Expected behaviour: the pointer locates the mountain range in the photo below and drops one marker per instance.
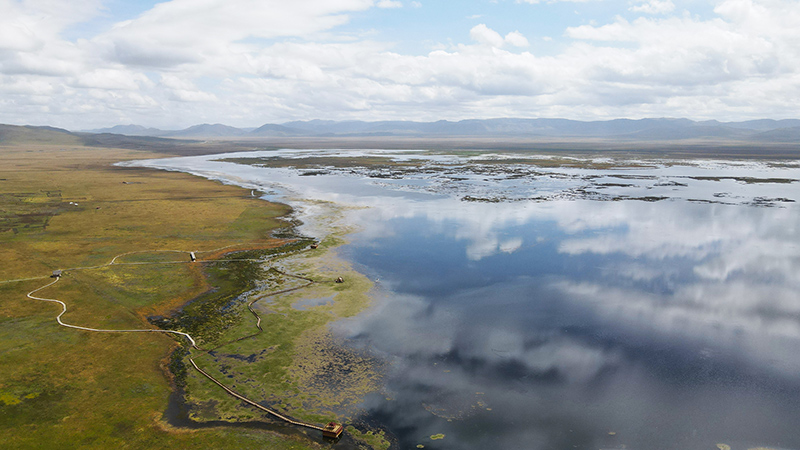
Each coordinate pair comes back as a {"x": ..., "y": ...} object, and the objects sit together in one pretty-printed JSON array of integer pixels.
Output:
[
  {"x": 504, "y": 133},
  {"x": 764, "y": 130}
]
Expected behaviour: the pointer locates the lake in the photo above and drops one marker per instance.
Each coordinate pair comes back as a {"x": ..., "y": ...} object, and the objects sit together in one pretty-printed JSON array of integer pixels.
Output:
[{"x": 593, "y": 303}]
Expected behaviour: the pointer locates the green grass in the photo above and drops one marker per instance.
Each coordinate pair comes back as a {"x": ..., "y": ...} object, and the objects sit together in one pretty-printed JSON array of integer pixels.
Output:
[
  {"x": 376, "y": 440},
  {"x": 294, "y": 363},
  {"x": 63, "y": 388}
]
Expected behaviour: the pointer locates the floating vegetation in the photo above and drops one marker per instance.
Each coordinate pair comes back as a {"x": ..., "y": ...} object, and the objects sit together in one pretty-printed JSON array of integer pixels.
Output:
[
  {"x": 436, "y": 437},
  {"x": 768, "y": 202},
  {"x": 649, "y": 198},
  {"x": 710, "y": 202},
  {"x": 632, "y": 177},
  {"x": 311, "y": 162},
  {"x": 670, "y": 184},
  {"x": 747, "y": 180},
  {"x": 375, "y": 440},
  {"x": 469, "y": 198},
  {"x": 514, "y": 177},
  {"x": 612, "y": 185}
]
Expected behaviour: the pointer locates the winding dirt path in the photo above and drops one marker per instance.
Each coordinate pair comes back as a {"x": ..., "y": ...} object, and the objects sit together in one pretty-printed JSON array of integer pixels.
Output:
[
  {"x": 175, "y": 332},
  {"x": 97, "y": 330}
]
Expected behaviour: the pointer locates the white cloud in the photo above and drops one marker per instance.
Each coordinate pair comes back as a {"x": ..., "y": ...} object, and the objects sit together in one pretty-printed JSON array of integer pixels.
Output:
[
  {"x": 484, "y": 35},
  {"x": 535, "y": 2},
  {"x": 16, "y": 36},
  {"x": 653, "y": 6},
  {"x": 389, "y": 4},
  {"x": 184, "y": 90},
  {"x": 741, "y": 62},
  {"x": 112, "y": 79},
  {"x": 185, "y": 31},
  {"x": 516, "y": 39}
]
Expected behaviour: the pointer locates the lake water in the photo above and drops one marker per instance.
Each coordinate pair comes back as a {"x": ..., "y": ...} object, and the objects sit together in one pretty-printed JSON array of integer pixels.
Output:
[{"x": 655, "y": 307}]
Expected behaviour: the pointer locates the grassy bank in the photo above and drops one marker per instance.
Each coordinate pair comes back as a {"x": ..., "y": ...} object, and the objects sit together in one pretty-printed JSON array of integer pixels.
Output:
[{"x": 63, "y": 207}]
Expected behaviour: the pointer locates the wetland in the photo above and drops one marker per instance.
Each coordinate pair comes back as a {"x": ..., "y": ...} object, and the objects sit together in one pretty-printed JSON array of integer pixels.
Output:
[{"x": 539, "y": 301}]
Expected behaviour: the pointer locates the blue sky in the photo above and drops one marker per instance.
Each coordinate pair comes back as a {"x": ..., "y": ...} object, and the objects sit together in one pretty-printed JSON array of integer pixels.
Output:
[{"x": 177, "y": 63}]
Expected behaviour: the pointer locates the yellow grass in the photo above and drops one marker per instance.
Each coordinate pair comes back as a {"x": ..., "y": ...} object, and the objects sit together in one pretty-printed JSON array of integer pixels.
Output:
[{"x": 63, "y": 388}]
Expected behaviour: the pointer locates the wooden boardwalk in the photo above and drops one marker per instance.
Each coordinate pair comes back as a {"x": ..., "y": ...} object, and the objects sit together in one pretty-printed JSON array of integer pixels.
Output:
[{"x": 252, "y": 403}]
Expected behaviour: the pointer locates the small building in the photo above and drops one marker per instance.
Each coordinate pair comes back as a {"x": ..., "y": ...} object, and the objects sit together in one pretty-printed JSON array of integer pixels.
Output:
[
  {"x": 332, "y": 430},
  {"x": 191, "y": 255},
  {"x": 56, "y": 274}
]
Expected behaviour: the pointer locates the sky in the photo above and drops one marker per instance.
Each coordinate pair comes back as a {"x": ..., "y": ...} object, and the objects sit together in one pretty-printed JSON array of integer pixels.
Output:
[{"x": 173, "y": 64}]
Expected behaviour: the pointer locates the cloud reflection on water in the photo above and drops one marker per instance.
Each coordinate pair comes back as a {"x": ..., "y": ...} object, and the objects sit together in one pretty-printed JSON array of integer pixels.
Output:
[
  {"x": 708, "y": 289},
  {"x": 744, "y": 260},
  {"x": 673, "y": 323}
]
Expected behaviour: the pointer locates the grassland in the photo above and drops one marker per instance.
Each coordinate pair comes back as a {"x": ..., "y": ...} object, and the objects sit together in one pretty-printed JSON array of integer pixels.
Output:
[{"x": 66, "y": 206}]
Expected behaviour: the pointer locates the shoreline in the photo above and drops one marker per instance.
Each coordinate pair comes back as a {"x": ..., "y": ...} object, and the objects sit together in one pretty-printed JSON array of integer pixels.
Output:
[
  {"x": 323, "y": 259},
  {"x": 71, "y": 207}
]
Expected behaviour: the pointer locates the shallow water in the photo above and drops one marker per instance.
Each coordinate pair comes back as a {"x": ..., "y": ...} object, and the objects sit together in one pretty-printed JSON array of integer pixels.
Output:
[{"x": 568, "y": 312}]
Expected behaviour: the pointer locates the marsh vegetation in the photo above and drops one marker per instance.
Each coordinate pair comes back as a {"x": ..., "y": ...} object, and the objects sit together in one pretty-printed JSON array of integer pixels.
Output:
[{"x": 69, "y": 207}]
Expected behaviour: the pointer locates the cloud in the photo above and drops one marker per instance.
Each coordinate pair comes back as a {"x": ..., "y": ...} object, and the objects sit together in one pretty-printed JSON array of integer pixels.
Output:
[
  {"x": 653, "y": 6},
  {"x": 16, "y": 36},
  {"x": 264, "y": 59},
  {"x": 516, "y": 39},
  {"x": 112, "y": 79},
  {"x": 482, "y": 34},
  {"x": 184, "y": 90},
  {"x": 187, "y": 31},
  {"x": 389, "y": 4},
  {"x": 536, "y": 2}
]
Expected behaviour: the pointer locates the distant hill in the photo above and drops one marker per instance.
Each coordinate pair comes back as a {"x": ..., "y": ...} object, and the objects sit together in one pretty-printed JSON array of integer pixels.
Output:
[
  {"x": 206, "y": 130},
  {"x": 130, "y": 130},
  {"x": 674, "y": 137},
  {"x": 785, "y": 135},
  {"x": 26, "y": 135},
  {"x": 656, "y": 129},
  {"x": 133, "y": 142},
  {"x": 671, "y": 133},
  {"x": 625, "y": 129},
  {"x": 15, "y": 135},
  {"x": 277, "y": 130},
  {"x": 764, "y": 124}
]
